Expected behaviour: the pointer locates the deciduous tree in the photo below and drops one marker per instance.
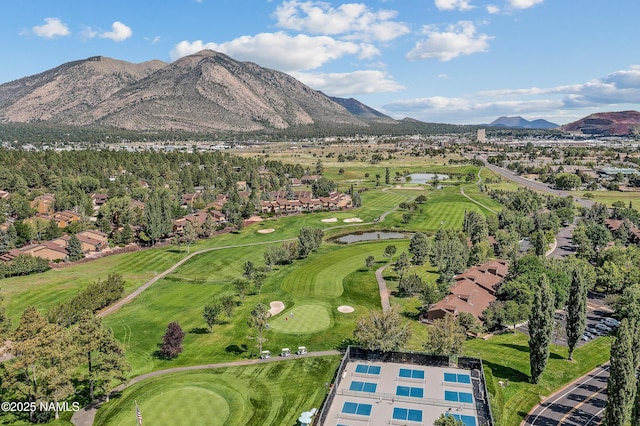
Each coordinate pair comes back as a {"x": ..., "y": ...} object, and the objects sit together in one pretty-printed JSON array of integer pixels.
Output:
[
  {"x": 540, "y": 328},
  {"x": 576, "y": 310},
  {"x": 259, "y": 321},
  {"x": 445, "y": 337},
  {"x": 382, "y": 330},
  {"x": 171, "y": 345},
  {"x": 210, "y": 313},
  {"x": 622, "y": 380}
]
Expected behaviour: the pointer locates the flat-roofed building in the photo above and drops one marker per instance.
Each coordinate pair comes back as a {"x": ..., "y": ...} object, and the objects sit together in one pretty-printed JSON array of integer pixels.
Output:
[{"x": 394, "y": 388}]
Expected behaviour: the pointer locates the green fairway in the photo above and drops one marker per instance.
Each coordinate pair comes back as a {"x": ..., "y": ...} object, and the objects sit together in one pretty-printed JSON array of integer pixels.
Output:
[
  {"x": 302, "y": 319},
  {"x": 321, "y": 282},
  {"x": 273, "y": 393}
]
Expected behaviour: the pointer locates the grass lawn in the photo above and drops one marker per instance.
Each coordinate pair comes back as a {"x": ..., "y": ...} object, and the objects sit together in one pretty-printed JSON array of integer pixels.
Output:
[
  {"x": 305, "y": 319},
  {"x": 610, "y": 197},
  {"x": 335, "y": 275},
  {"x": 273, "y": 393},
  {"x": 506, "y": 357}
]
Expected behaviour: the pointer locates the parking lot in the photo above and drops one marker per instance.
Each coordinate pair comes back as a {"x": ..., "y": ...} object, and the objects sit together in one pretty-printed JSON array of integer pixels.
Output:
[{"x": 595, "y": 316}]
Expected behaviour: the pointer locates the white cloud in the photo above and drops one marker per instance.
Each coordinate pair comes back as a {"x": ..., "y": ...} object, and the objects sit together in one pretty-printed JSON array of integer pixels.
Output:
[
  {"x": 524, "y": 4},
  {"x": 493, "y": 9},
  {"x": 442, "y": 76},
  {"x": 279, "y": 50},
  {"x": 350, "y": 84},
  {"x": 353, "y": 21},
  {"x": 453, "y": 5},
  {"x": 88, "y": 32},
  {"x": 119, "y": 32},
  {"x": 459, "y": 39},
  {"x": 53, "y": 27},
  {"x": 560, "y": 104}
]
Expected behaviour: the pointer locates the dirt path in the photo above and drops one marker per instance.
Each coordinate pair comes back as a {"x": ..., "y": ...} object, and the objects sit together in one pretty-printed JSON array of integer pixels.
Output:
[{"x": 86, "y": 416}]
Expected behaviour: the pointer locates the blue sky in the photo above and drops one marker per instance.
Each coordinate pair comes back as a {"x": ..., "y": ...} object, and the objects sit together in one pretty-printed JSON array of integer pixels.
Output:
[{"x": 453, "y": 61}]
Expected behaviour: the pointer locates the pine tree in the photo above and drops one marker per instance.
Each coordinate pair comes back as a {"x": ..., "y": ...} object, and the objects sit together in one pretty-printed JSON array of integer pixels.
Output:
[
  {"x": 419, "y": 248},
  {"x": 387, "y": 176},
  {"x": 102, "y": 353},
  {"x": 576, "y": 310},
  {"x": 74, "y": 248},
  {"x": 540, "y": 328},
  {"x": 621, "y": 384}
]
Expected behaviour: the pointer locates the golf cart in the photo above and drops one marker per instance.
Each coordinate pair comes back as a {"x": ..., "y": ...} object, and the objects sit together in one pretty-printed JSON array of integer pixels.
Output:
[
  {"x": 285, "y": 352},
  {"x": 265, "y": 354},
  {"x": 301, "y": 350}
]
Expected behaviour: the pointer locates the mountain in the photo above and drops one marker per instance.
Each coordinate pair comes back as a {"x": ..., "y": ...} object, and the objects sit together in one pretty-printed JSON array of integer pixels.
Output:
[
  {"x": 521, "y": 123},
  {"x": 207, "y": 91},
  {"x": 361, "y": 110},
  {"x": 606, "y": 123},
  {"x": 60, "y": 94}
]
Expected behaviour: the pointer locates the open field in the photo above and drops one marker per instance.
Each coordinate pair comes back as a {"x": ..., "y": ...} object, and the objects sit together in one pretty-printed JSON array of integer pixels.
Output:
[
  {"x": 610, "y": 197},
  {"x": 274, "y": 393},
  {"x": 506, "y": 357}
]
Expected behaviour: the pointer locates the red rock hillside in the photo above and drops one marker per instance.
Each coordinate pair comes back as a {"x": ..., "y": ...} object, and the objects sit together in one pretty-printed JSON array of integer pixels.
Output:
[{"x": 607, "y": 123}]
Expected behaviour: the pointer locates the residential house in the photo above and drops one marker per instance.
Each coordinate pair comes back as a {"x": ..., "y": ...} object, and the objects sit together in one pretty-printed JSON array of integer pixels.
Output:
[
  {"x": 309, "y": 179},
  {"x": 44, "y": 204},
  {"x": 98, "y": 200},
  {"x": 472, "y": 291},
  {"x": 66, "y": 218}
]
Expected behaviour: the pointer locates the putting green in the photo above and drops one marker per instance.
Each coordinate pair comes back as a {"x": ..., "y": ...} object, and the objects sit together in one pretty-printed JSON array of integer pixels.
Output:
[
  {"x": 305, "y": 319},
  {"x": 188, "y": 405}
]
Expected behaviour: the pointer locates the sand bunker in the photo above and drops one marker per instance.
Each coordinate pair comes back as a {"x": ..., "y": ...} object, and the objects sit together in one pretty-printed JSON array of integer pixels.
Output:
[
  {"x": 276, "y": 308},
  {"x": 352, "y": 219},
  {"x": 331, "y": 220},
  {"x": 266, "y": 231},
  {"x": 345, "y": 309}
]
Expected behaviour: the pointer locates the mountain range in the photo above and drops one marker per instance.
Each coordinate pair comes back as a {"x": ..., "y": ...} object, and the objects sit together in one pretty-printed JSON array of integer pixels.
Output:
[
  {"x": 207, "y": 91},
  {"x": 521, "y": 123}
]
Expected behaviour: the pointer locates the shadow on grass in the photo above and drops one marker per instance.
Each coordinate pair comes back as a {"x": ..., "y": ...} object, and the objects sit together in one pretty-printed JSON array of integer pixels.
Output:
[
  {"x": 521, "y": 348},
  {"x": 236, "y": 350},
  {"x": 199, "y": 330},
  {"x": 503, "y": 372},
  {"x": 413, "y": 316}
]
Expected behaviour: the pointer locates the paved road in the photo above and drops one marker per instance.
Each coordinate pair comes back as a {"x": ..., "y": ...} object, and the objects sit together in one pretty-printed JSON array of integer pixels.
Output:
[
  {"x": 581, "y": 403},
  {"x": 539, "y": 186},
  {"x": 564, "y": 243}
]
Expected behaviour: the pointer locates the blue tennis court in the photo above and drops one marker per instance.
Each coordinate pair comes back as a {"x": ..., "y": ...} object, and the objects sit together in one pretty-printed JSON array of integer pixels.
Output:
[
  {"x": 467, "y": 420},
  {"x": 458, "y": 396},
  {"x": 407, "y": 414},
  {"x": 411, "y": 374},
  {"x": 409, "y": 391},
  {"x": 368, "y": 369},
  {"x": 355, "y": 408},
  {"x": 363, "y": 387},
  {"x": 457, "y": 378}
]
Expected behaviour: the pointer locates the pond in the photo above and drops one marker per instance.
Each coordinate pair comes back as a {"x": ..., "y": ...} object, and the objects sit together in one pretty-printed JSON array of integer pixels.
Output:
[
  {"x": 370, "y": 236},
  {"x": 426, "y": 177}
]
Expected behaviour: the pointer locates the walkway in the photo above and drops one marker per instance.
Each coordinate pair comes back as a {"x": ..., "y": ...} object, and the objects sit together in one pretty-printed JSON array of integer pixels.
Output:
[
  {"x": 474, "y": 201},
  {"x": 382, "y": 285},
  {"x": 86, "y": 416}
]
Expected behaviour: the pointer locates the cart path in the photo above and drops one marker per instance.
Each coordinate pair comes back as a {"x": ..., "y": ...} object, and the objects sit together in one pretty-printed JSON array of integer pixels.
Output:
[
  {"x": 382, "y": 285},
  {"x": 86, "y": 415},
  {"x": 474, "y": 201}
]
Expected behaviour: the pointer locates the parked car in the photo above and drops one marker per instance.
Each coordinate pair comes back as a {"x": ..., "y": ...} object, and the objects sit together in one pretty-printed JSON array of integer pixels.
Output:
[
  {"x": 611, "y": 322},
  {"x": 586, "y": 338},
  {"x": 603, "y": 327},
  {"x": 590, "y": 335}
]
